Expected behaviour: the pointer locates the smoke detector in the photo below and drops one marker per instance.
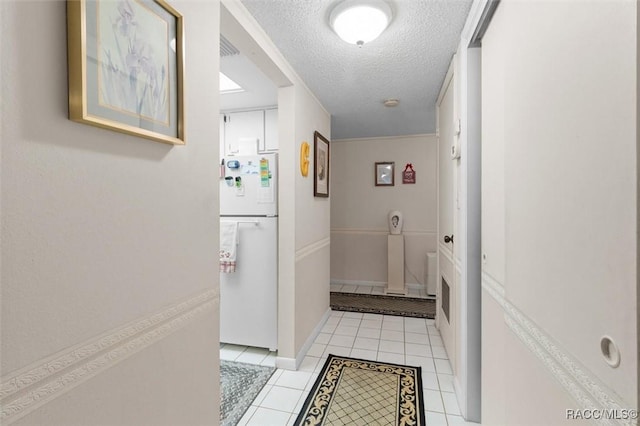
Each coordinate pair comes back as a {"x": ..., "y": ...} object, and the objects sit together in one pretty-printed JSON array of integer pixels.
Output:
[{"x": 391, "y": 103}]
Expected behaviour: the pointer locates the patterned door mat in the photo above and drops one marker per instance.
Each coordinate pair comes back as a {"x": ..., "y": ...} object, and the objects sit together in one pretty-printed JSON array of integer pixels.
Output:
[
  {"x": 356, "y": 392},
  {"x": 387, "y": 305},
  {"x": 240, "y": 383}
]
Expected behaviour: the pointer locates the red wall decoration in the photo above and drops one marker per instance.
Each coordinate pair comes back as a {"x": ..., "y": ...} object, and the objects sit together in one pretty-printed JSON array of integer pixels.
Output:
[{"x": 409, "y": 175}]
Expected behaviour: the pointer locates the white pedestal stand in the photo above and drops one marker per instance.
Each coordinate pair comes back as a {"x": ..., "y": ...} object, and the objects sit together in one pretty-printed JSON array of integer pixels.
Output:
[{"x": 395, "y": 262}]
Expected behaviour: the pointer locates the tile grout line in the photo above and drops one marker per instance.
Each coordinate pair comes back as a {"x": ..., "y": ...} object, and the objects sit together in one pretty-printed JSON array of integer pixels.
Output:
[{"x": 314, "y": 373}]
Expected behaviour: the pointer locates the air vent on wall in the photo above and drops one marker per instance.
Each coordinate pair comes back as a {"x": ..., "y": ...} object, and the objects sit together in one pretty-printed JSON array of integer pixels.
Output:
[
  {"x": 445, "y": 298},
  {"x": 226, "y": 48}
]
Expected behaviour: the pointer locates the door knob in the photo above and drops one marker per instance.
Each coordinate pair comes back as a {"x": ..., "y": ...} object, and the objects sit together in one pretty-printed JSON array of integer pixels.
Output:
[{"x": 448, "y": 239}]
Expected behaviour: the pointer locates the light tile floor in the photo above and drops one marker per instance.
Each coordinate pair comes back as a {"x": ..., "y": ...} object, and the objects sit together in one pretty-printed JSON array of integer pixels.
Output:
[
  {"x": 375, "y": 289},
  {"x": 411, "y": 341}
]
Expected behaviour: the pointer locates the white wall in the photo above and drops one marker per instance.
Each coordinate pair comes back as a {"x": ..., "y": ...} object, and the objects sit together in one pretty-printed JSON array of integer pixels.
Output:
[
  {"x": 312, "y": 222},
  {"x": 359, "y": 209},
  {"x": 100, "y": 231},
  {"x": 560, "y": 166}
]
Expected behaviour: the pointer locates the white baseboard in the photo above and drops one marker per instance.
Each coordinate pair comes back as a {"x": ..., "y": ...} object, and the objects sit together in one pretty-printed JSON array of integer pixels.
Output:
[
  {"x": 460, "y": 396},
  {"x": 358, "y": 282},
  {"x": 286, "y": 363},
  {"x": 294, "y": 363},
  {"x": 414, "y": 286},
  {"x": 372, "y": 283}
]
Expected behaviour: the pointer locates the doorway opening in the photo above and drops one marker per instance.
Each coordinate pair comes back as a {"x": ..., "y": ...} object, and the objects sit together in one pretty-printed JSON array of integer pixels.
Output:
[{"x": 249, "y": 216}]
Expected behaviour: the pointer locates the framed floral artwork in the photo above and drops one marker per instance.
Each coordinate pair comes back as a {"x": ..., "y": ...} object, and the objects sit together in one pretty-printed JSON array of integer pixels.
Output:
[
  {"x": 321, "y": 165},
  {"x": 126, "y": 67}
]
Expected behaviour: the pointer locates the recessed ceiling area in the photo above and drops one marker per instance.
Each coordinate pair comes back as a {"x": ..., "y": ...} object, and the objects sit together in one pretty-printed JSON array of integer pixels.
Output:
[
  {"x": 408, "y": 61},
  {"x": 259, "y": 91}
]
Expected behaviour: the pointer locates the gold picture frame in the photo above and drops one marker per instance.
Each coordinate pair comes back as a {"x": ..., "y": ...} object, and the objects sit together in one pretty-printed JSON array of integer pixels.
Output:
[
  {"x": 385, "y": 173},
  {"x": 320, "y": 165},
  {"x": 126, "y": 67}
]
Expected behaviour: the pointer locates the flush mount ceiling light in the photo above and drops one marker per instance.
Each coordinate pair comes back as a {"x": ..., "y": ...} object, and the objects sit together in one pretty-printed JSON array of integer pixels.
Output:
[{"x": 360, "y": 21}]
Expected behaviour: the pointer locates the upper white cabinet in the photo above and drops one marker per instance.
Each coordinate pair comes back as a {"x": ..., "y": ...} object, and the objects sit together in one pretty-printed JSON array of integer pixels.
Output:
[
  {"x": 243, "y": 132},
  {"x": 250, "y": 132},
  {"x": 270, "y": 130}
]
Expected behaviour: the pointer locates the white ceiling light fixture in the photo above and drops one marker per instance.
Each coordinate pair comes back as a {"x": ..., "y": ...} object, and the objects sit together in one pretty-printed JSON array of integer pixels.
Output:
[{"x": 360, "y": 21}]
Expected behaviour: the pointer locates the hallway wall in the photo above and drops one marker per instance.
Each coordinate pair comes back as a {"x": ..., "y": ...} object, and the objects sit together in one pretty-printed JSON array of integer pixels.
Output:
[
  {"x": 359, "y": 209},
  {"x": 559, "y": 209},
  {"x": 313, "y": 214},
  {"x": 109, "y": 242}
]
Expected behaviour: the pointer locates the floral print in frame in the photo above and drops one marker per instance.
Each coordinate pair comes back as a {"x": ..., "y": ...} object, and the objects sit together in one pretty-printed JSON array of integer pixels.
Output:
[{"x": 126, "y": 67}]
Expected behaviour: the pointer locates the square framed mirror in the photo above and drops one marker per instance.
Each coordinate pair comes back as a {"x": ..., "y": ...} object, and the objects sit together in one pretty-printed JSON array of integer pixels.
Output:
[{"x": 385, "y": 173}]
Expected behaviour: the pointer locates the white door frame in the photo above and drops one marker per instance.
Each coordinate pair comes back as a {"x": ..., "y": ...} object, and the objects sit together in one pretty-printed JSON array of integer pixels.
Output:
[
  {"x": 467, "y": 76},
  {"x": 239, "y": 28},
  {"x": 446, "y": 253}
]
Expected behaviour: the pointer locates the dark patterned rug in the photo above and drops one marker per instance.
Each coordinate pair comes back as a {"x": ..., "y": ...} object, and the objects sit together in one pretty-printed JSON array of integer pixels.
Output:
[
  {"x": 352, "y": 391},
  {"x": 387, "y": 305},
  {"x": 240, "y": 383}
]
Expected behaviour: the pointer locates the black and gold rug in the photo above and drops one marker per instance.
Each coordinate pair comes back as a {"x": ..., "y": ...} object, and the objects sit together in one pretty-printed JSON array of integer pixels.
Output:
[
  {"x": 381, "y": 304},
  {"x": 352, "y": 391}
]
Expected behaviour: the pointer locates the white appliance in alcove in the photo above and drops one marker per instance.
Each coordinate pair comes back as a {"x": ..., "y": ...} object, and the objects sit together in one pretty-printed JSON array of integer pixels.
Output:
[{"x": 249, "y": 296}]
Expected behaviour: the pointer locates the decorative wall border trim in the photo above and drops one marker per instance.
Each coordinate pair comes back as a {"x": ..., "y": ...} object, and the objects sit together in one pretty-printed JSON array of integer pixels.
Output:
[
  {"x": 493, "y": 287},
  {"x": 312, "y": 248},
  {"x": 33, "y": 386},
  {"x": 377, "y": 231},
  {"x": 586, "y": 389},
  {"x": 446, "y": 251}
]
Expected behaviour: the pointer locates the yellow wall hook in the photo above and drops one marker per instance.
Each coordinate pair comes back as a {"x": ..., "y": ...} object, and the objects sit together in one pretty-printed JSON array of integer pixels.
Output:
[{"x": 304, "y": 159}]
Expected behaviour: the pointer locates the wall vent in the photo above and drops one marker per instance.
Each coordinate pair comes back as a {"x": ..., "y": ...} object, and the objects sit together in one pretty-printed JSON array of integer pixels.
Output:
[
  {"x": 226, "y": 48},
  {"x": 445, "y": 299}
]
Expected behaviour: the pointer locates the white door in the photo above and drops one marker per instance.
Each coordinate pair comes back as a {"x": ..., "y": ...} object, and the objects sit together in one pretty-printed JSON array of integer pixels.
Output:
[
  {"x": 458, "y": 279},
  {"x": 447, "y": 271}
]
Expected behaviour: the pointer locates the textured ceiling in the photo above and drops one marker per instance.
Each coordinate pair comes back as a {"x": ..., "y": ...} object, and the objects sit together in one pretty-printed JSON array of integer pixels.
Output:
[{"x": 408, "y": 62}]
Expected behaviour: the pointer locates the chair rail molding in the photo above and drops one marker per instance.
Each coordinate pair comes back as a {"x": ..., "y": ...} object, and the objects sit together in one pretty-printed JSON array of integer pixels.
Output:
[
  {"x": 378, "y": 231},
  {"x": 312, "y": 248},
  {"x": 39, "y": 383},
  {"x": 587, "y": 390},
  {"x": 493, "y": 287}
]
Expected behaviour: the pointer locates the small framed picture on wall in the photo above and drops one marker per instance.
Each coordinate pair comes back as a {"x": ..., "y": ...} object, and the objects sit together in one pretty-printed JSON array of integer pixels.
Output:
[
  {"x": 384, "y": 173},
  {"x": 321, "y": 165}
]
